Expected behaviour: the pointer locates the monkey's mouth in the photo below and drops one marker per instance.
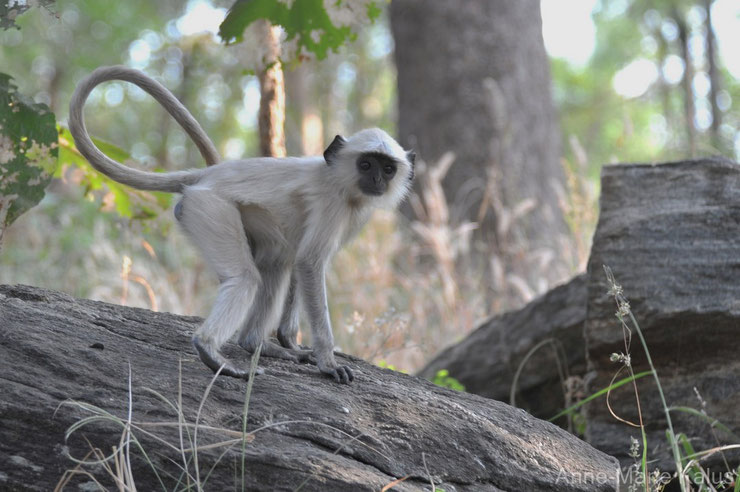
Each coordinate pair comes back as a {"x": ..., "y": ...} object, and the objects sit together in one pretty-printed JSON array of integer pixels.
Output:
[{"x": 372, "y": 190}]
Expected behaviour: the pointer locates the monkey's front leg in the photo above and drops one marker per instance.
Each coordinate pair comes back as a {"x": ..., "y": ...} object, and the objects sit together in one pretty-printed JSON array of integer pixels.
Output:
[{"x": 311, "y": 282}]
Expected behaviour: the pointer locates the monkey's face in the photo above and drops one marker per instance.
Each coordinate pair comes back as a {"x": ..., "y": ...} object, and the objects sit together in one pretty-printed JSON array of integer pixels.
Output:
[
  {"x": 370, "y": 167},
  {"x": 375, "y": 171}
]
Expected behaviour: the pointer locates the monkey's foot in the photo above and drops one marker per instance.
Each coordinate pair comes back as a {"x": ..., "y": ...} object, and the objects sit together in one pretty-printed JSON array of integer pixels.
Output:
[
  {"x": 341, "y": 374},
  {"x": 271, "y": 349},
  {"x": 214, "y": 360},
  {"x": 288, "y": 341}
]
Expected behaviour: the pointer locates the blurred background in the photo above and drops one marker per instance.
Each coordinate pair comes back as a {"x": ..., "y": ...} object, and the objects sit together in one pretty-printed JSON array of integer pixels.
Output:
[{"x": 513, "y": 108}]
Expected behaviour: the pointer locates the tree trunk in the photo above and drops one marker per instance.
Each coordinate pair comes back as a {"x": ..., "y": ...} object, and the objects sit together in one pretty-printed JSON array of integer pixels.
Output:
[
  {"x": 272, "y": 101},
  {"x": 713, "y": 75},
  {"x": 688, "y": 78},
  {"x": 474, "y": 79}
]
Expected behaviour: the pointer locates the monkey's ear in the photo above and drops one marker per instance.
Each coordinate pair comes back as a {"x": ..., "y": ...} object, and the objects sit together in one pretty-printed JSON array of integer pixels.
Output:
[
  {"x": 411, "y": 157},
  {"x": 333, "y": 149}
]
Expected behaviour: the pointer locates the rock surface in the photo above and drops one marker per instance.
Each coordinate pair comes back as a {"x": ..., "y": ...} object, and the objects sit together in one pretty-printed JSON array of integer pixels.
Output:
[
  {"x": 384, "y": 426},
  {"x": 671, "y": 235},
  {"x": 486, "y": 361}
]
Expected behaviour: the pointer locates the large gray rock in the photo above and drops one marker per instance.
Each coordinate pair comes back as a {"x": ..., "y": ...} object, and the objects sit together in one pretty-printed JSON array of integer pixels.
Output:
[
  {"x": 54, "y": 348},
  {"x": 486, "y": 361},
  {"x": 671, "y": 235}
]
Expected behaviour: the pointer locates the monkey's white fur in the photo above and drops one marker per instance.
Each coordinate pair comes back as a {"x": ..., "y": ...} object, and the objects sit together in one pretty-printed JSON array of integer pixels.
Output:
[{"x": 267, "y": 226}]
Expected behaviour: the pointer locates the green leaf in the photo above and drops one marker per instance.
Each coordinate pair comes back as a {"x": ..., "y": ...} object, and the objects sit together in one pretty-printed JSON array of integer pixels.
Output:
[
  {"x": 714, "y": 423},
  {"x": 695, "y": 473},
  {"x": 373, "y": 11},
  {"x": 28, "y": 151},
  {"x": 305, "y": 21},
  {"x": 599, "y": 393},
  {"x": 127, "y": 202},
  {"x": 443, "y": 378},
  {"x": 384, "y": 364}
]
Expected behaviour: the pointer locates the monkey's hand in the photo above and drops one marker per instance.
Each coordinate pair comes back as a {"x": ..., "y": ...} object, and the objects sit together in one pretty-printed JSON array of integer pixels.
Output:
[{"x": 327, "y": 365}]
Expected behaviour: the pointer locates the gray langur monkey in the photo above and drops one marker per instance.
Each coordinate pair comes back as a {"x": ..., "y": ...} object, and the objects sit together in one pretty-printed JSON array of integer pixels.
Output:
[{"x": 268, "y": 227}]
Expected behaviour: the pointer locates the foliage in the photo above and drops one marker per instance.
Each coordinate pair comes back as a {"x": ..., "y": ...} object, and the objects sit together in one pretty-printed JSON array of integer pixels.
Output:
[
  {"x": 9, "y": 11},
  {"x": 52, "y": 50},
  {"x": 128, "y": 202},
  {"x": 443, "y": 378},
  {"x": 385, "y": 365},
  {"x": 694, "y": 471},
  {"x": 654, "y": 125},
  {"x": 28, "y": 151},
  {"x": 307, "y": 23}
]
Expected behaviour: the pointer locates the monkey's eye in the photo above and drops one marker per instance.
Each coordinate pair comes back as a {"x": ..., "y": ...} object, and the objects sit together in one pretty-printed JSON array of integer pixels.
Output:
[
  {"x": 388, "y": 169},
  {"x": 364, "y": 166}
]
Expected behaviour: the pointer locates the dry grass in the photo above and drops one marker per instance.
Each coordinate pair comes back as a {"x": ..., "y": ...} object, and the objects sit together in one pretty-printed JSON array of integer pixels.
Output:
[{"x": 176, "y": 441}]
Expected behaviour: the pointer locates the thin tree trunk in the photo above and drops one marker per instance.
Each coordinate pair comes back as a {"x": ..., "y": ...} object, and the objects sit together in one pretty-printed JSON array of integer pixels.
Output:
[
  {"x": 688, "y": 78},
  {"x": 295, "y": 92},
  {"x": 54, "y": 86},
  {"x": 711, "y": 45},
  {"x": 272, "y": 100},
  {"x": 182, "y": 94},
  {"x": 663, "y": 85},
  {"x": 306, "y": 130}
]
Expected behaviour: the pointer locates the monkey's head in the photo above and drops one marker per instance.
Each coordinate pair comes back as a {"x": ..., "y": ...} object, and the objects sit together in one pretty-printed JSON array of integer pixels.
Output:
[{"x": 371, "y": 166}]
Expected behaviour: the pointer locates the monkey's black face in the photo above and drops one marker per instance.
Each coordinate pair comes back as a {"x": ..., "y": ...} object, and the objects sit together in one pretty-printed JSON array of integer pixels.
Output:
[{"x": 376, "y": 171}]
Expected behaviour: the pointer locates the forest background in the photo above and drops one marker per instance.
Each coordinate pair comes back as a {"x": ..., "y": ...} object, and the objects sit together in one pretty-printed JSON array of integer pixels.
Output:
[{"x": 632, "y": 81}]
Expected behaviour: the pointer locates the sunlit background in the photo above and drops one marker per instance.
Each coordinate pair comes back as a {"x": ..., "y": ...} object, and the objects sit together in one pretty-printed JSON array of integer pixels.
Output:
[{"x": 570, "y": 34}]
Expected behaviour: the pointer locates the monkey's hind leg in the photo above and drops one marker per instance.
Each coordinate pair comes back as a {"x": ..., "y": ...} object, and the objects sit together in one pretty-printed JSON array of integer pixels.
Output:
[
  {"x": 265, "y": 314},
  {"x": 214, "y": 226},
  {"x": 287, "y": 332}
]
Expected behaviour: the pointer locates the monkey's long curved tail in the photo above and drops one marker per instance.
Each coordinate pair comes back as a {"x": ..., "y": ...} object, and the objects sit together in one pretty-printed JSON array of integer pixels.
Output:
[{"x": 172, "y": 181}]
